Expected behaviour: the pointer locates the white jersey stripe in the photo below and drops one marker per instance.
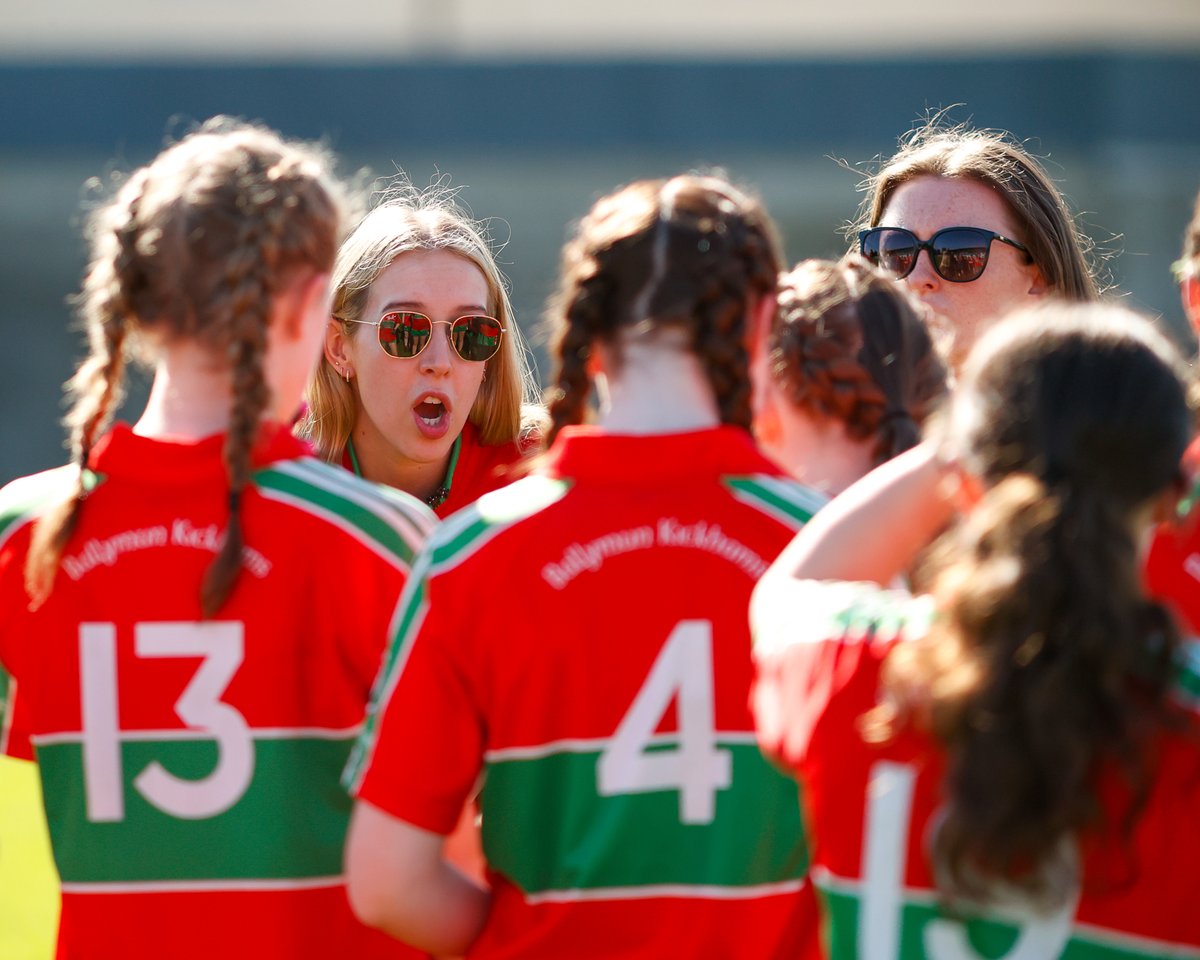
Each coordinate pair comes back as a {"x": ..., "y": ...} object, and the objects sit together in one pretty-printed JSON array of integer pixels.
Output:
[
  {"x": 599, "y": 744},
  {"x": 684, "y": 891},
  {"x": 260, "y": 733},
  {"x": 201, "y": 886}
]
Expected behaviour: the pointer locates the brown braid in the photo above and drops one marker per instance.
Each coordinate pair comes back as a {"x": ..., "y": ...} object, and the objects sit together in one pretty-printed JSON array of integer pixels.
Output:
[
  {"x": 195, "y": 245},
  {"x": 690, "y": 253},
  {"x": 720, "y": 335},
  {"x": 850, "y": 345},
  {"x": 249, "y": 303},
  {"x": 97, "y": 386}
]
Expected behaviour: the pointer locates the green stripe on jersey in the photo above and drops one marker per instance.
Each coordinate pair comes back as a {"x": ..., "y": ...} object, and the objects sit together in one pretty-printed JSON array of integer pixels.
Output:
[
  {"x": 470, "y": 528},
  {"x": 986, "y": 939},
  {"x": 787, "y": 501},
  {"x": 23, "y": 499},
  {"x": 546, "y": 827},
  {"x": 393, "y": 525},
  {"x": 1187, "y": 677},
  {"x": 289, "y": 824},
  {"x": 452, "y": 542}
]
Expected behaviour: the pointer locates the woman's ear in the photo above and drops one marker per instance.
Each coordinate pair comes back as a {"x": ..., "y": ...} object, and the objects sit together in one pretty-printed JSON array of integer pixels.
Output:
[
  {"x": 1037, "y": 282},
  {"x": 339, "y": 350}
]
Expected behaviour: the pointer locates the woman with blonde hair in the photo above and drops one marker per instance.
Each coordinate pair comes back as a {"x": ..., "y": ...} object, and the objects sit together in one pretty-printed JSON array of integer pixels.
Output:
[
  {"x": 997, "y": 232},
  {"x": 443, "y": 417}
]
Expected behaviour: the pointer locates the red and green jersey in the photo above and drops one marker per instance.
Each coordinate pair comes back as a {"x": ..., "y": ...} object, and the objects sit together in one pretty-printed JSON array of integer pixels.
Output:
[
  {"x": 870, "y": 808},
  {"x": 1172, "y": 569},
  {"x": 190, "y": 767},
  {"x": 580, "y": 639}
]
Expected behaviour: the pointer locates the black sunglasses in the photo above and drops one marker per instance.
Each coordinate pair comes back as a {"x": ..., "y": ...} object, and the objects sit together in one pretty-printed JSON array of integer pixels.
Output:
[
  {"x": 405, "y": 334},
  {"x": 958, "y": 254}
]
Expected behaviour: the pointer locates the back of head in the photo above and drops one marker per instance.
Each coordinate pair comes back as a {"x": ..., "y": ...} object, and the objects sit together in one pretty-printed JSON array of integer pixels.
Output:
[
  {"x": 849, "y": 344},
  {"x": 1048, "y": 663},
  {"x": 1045, "y": 224},
  {"x": 1088, "y": 401},
  {"x": 407, "y": 219},
  {"x": 691, "y": 254},
  {"x": 196, "y": 245}
]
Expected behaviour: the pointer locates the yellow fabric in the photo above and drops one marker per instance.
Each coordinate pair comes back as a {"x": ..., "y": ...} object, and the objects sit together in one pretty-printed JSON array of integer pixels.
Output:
[{"x": 28, "y": 881}]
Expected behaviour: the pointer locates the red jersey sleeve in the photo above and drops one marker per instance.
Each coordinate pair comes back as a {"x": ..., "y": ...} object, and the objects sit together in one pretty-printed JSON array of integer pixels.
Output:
[
  {"x": 423, "y": 750},
  {"x": 15, "y": 727},
  {"x": 815, "y": 642}
]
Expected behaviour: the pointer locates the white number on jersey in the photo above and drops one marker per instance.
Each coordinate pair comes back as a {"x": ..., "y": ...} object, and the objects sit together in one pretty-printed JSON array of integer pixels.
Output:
[
  {"x": 222, "y": 647},
  {"x": 888, "y": 820},
  {"x": 697, "y": 768}
]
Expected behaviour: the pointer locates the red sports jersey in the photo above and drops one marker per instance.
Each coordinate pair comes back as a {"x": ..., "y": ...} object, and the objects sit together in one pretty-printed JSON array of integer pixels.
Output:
[
  {"x": 478, "y": 468},
  {"x": 190, "y": 767},
  {"x": 1172, "y": 570},
  {"x": 870, "y": 808},
  {"x": 580, "y": 638}
]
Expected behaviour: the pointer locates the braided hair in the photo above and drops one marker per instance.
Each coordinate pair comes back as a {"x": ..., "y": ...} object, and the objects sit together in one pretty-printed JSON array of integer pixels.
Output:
[
  {"x": 196, "y": 245},
  {"x": 848, "y": 344},
  {"x": 690, "y": 253}
]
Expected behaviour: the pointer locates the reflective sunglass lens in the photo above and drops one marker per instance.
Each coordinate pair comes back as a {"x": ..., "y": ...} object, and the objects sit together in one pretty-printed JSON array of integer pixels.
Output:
[
  {"x": 475, "y": 338},
  {"x": 894, "y": 251},
  {"x": 404, "y": 334},
  {"x": 961, "y": 255}
]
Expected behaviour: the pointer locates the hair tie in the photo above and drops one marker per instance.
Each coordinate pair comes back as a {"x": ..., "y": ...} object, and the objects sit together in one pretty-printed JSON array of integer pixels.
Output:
[{"x": 895, "y": 413}]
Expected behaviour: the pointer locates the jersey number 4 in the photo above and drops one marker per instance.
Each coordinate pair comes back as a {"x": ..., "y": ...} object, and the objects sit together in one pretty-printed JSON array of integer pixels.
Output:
[
  {"x": 221, "y": 647},
  {"x": 635, "y": 760}
]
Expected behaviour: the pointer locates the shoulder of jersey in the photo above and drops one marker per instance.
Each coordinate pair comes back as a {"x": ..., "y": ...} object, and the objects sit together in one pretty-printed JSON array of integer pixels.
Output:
[
  {"x": 24, "y": 499},
  {"x": 789, "y": 502},
  {"x": 810, "y": 612},
  {"x": 464, "y": 532},
  {"x": 388, "y": 521}
]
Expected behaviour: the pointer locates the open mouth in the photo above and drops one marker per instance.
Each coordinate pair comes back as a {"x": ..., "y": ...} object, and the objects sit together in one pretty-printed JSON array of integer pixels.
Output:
[{"x": 432, "y": 410}]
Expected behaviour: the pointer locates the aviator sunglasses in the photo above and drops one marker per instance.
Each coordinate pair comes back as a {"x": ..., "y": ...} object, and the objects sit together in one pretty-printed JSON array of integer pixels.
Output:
[
  {"x": 958, "y": 254},
  {"x": 404, "y": 335}
]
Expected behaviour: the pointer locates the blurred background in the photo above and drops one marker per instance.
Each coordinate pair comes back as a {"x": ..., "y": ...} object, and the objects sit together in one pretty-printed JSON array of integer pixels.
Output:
[{"x": 536, "y": 107}]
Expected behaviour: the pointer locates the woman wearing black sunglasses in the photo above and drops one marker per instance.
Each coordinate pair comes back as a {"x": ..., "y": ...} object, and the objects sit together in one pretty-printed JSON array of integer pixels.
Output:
[
  {"x": 579, "y": 639},
  {"x": 425, "y": 384},
  {"x": 975, "y": 227}
]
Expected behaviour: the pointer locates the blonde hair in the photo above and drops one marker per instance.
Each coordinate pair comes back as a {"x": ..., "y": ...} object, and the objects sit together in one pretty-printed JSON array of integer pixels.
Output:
[
  {"x": 991, "y": 157},
  {"x": 409, "y": 219},
  {"x": 195, "y": 245}
]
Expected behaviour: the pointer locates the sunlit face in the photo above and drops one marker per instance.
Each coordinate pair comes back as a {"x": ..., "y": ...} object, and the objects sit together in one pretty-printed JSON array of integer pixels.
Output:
[
  {"x": 413, "y": 409},
  {"x": 925, "y": 205}
]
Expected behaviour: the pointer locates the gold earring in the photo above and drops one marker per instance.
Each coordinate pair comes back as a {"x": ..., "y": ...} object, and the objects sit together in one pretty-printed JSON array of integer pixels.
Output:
[{"x": 345, "y": 374}]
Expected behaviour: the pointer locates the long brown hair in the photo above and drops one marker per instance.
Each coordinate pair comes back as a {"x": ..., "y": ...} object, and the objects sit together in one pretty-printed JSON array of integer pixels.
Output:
[
  {"x": 1048, "y": 663},
  {"x": 691, "y": 253},
  {"x": 849, "y": 344},
  {"x": 194, "y": 245}
]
